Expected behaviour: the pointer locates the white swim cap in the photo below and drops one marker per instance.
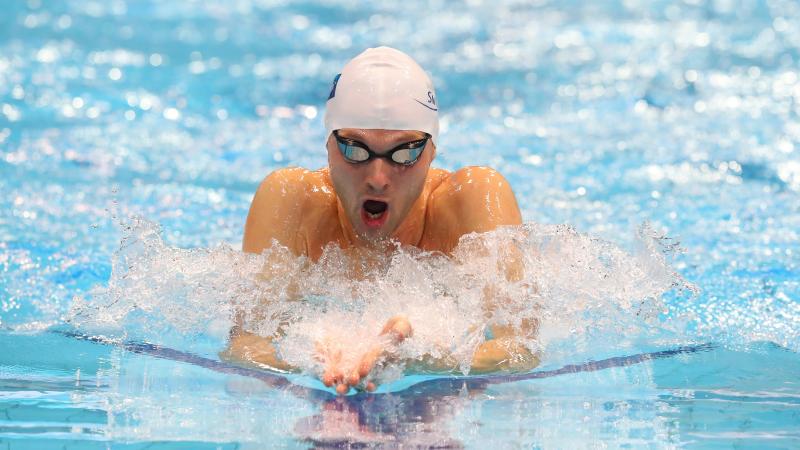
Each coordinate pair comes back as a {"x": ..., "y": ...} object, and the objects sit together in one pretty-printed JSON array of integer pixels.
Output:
[{"x": 383, "y": 88}]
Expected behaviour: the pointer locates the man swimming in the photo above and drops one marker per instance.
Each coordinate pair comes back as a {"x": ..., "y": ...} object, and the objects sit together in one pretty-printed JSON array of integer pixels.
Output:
[{"x": 379, "y": 190}]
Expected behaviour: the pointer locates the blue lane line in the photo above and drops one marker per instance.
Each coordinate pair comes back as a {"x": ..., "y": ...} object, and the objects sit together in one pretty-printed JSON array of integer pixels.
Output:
[
  {"x": 440, "y": 385},
  {"x": 143, "y": 348}
]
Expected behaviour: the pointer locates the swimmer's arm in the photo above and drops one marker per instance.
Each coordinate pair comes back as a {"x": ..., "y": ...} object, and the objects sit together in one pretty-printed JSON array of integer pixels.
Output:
[
  {"x": 486, "y": 201},
  {"x": 503, "y": 353},
  {"x": 252, "y": 350},
  {"x": 476, "y": 200},
  {"x": 274, "y": 217},
  {"x": 276, "y": 212}
]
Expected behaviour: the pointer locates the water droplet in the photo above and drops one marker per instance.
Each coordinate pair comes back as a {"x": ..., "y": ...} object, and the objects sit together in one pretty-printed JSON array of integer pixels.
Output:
[
  {"x": 155, "y": 60},
  {"x": 115, "y": 74},
  {"x": 172, "y": 114}
]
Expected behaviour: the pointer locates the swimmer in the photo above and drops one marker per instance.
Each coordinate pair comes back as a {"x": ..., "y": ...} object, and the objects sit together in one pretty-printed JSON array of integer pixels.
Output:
[{"x": 379, "y": 190}]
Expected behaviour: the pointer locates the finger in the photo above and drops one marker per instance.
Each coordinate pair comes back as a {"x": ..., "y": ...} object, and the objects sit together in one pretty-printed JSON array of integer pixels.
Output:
[
  {"x": 342, "y": 389},
  {"x": 354, "y": 378},
  {"x": 327, "y": 379},
  {"x": 370, "y": 386},
  {"x": 398, "y": 327},
  {"x": 368, "y": 361},
  {"x": 332, "y": 375},
  {"x": 389, "y": 324},
  {"x": 338, "y": 375},
  {"x": 403, "y": 328}
]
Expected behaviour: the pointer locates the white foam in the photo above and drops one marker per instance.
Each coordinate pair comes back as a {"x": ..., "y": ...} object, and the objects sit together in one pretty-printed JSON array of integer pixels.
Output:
[{"x": 587, "y": 295}]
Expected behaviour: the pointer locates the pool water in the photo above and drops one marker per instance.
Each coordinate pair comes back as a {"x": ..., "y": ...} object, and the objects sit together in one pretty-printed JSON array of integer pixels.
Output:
[{"x": 138, "y": 132}]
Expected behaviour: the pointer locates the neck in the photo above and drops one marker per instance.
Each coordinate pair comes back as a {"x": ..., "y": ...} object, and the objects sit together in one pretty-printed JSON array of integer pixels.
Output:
[{"x": 413, "y": 225}]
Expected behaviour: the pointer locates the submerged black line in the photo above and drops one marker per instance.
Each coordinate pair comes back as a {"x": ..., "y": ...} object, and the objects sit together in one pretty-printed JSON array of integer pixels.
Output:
[{"x": 440, "y": 385}]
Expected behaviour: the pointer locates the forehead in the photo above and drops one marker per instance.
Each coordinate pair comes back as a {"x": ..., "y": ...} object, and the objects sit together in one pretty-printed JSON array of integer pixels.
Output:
[{"x": 363, "y": 134}]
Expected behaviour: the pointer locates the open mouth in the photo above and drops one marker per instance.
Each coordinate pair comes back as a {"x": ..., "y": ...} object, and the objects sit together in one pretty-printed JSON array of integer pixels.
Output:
[{"x": 374, "y": 212}]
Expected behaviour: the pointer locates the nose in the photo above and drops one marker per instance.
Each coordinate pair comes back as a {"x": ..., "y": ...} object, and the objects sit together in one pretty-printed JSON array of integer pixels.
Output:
[{"x": 378, "y": 176}]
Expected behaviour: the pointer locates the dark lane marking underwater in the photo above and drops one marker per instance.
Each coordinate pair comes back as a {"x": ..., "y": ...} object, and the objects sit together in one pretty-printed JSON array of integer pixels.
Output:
[{"x": 442, "y": 385}]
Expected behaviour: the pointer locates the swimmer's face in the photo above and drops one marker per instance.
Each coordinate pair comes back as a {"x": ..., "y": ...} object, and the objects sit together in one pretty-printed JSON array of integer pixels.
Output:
[{"x": 378, "y": 194}]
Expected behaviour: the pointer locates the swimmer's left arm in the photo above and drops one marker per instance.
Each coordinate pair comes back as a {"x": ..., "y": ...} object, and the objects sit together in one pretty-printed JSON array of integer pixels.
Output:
[
  {"x": 476, "y": 200},
  {"x": 504, "y": 352}
]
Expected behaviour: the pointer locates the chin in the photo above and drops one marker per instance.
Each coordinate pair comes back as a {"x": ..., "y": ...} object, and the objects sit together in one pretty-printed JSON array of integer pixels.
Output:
[
  {"x": 370, "y": 235},
  {"x": 373, "y": 235}
]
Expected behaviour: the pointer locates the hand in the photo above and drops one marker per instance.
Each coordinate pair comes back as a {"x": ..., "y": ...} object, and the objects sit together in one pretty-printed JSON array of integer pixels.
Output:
[{"x": 344, "y": 376}]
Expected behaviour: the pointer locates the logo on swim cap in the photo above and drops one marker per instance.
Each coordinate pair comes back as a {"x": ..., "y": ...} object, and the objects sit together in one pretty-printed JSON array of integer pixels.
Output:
[
  {"x": 333, "y": 88},
  {"x": 431, "y": 101}
]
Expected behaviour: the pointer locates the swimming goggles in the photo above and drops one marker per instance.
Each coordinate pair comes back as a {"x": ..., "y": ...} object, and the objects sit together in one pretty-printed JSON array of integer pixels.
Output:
[{"x": 404, "y": 154}]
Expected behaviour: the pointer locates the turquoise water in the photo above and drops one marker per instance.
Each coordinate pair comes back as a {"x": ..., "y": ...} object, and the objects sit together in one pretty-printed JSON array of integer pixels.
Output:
[{"x": 684, "y": 115}]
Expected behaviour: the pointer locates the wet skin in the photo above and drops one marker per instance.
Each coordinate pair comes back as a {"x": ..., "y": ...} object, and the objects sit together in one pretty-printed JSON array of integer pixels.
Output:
[{"x": 421, "y": 206}]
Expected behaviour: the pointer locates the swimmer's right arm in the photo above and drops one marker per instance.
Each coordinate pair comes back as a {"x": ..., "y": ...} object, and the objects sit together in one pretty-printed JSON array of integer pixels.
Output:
[
  {"x": 250, "y": 349},
  {"x": 274, "y": 217},
  {"x": 276, "y": 212}
]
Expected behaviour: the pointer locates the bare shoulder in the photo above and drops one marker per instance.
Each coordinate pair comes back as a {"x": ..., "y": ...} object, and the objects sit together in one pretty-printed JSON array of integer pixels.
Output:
[
  {"x": 469, "y": 185},
  {"x": 282, "y": 188},
  {"x": 288, "y": 178},
  {"x": 278, "y": 207},
  {"x": 474, "y": 177},
  {"x": 436, "y": 177},
  {"x": 471, "y": 199}
]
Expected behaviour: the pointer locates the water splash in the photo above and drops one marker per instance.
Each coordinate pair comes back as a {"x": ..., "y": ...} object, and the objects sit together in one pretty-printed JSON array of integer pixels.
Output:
[
  {"x": 588, "y": 296},
  {"x": 156, "y": 288}
]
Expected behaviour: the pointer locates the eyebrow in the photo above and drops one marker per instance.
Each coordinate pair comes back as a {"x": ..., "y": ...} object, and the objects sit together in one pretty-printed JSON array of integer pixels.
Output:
[{"x": 359, "y": 136}]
